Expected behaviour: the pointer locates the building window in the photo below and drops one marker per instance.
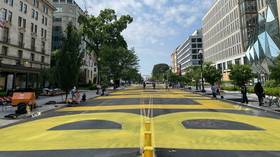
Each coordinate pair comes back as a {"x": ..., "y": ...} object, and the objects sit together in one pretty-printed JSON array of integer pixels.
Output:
[
  {"x": 20, "y": 21},
  {"x": 6, "y": 34},
  {"x": 10, "y": 2},
  {"x": 10, "y": 16},
  {"x": 45, "y": 9},
  {"x": 237, "y": 61},
  {"x": 36, "y": 29},
  {"x": 4, "y": 14},
  {"x": 36, "y": 15},
  {"x": 57, "y": 19},
  {"x": 43, "y": 46},
  {"x": 25, "y": 8},
  {"x": 43, "y": 59},
  {"x": 42, "y": 32},
  {"x": 33, "y": 13},
  {"x": 32, "y": 57},
  {"x": 20, "y": 40},
  {"x": 46, "y": 21},
  {"x": 43, "y": 19},
  {"x": 36, "y": 3},
  {"x": 24, "y": 23},
  {"x": 45, "y": 34},
  {"x": 20, "y": 54},
  {"x": 21, "y": 6},
  {"x": 33, "y": 44},
  {"x": 32, "y": 27},
  {"x": 4, "y": 50}
]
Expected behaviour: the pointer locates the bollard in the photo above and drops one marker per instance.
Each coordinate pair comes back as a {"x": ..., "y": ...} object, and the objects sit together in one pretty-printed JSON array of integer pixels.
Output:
[
  {"x": 148, "y": 152},
  {"x": 147, "y": 126},
  {"x": 147, "y": 139}
]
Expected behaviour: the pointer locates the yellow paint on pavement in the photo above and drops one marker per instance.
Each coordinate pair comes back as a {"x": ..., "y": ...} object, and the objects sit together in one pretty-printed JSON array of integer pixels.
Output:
[
  {"x": 35, "y": 135},
  {"x": 170, "y": 133}
]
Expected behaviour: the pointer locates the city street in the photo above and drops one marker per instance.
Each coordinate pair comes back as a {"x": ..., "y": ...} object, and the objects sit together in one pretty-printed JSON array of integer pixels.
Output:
[{"x": 183, "y": 124}]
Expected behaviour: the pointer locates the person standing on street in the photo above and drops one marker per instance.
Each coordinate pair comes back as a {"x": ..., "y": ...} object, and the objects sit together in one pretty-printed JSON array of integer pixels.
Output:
[
  {"x": 259, "y": 92},
  {"x": 144, "y": 85},
  {"x": 214, "y": 91},
  {"x": 244, "y": 94}
]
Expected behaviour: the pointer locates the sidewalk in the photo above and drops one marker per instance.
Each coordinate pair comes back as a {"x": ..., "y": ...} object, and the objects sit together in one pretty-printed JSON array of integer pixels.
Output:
[
  {"x": 42, "y": 107},
  {"x": 236, "y": 98}
]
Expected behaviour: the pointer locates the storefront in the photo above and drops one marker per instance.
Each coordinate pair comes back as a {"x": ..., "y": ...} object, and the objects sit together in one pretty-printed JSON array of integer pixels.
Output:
[{"x": 12, "y": 77}]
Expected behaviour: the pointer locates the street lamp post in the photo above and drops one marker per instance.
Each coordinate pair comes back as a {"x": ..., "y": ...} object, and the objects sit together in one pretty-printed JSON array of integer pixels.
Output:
[
  {"x": 98, "y": 76},
  {"x": 201, "y": 68}
]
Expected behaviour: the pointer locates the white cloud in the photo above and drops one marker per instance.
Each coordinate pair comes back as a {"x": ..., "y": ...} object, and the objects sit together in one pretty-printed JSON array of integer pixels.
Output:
[{"x": 155, "y": 21}]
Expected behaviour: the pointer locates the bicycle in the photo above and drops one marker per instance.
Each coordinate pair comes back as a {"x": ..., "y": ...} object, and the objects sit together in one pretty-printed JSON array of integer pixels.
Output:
[{"x": 272, "y": 101}]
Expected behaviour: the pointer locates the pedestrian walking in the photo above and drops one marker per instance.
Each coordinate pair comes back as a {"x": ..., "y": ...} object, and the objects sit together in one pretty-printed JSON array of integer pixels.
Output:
[
  {"x": 73, "y": 92},
  {"x": 259, "y": 92},
  {"x": 154, "y": 85},
  {"x": 144, "y": 85},
  {"x": 98, "y": 87},
  {"x": 214, "y": 91},
  {"x": 244, "y": 94}
]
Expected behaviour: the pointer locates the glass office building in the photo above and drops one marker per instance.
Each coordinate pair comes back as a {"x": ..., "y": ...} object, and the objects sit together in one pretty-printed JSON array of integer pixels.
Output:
[{"x": 264, "y": 46}]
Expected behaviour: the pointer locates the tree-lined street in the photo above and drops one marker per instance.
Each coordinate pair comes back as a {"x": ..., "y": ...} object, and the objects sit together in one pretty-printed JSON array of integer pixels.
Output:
[{"x": 183, "y": 124}]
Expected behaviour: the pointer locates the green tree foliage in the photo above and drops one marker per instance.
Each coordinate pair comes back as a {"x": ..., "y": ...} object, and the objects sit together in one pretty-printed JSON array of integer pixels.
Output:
[
  {"x": 275, "y": 71},
  {"x": 159, "y": 71},
  {"x": 103, "y": 37},
  {"x": 104, "y": 29},
  {"x": 211, "y": 74},
  {"x": 118, "y": 63},
  {"x": 193, "y": 74},
  {"x": 241, "y": 74},
  {"x": 69, "y": 60}
]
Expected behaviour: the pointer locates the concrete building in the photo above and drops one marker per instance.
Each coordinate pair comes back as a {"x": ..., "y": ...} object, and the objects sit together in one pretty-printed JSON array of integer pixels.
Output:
[
  {"x": 174, "y": 61},
  {"x": 25, "y": 42},
  {"x": 278, "y": 8},
  {"x": 228, "y": 27},
  {"x": 188, "y": 51},
  {"x": 68, "y": 11}
]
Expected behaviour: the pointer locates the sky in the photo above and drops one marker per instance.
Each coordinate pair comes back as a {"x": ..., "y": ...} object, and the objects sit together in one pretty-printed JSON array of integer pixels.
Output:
[{"x": 158, "y": 27}]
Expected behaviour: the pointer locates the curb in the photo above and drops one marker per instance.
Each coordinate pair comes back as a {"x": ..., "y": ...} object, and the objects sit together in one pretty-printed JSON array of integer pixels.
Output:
[
  {"x": 25, "y": 118},
  {"x": 240, "y": 104}
]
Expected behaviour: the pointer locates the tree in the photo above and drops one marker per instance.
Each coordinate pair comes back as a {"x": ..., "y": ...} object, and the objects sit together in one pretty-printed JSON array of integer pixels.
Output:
[
  {"x": 159, "y": 71},
  {"x": 117, "y": 63},
  {"x": 69, "y": 60},
  {"x": 275, "y": 70},
  {"x": 104, "y": 30},
  {"x": 193, "y": 73},
  {"x": 241, "y": 74},
  {"x": 211, "y": 74}
]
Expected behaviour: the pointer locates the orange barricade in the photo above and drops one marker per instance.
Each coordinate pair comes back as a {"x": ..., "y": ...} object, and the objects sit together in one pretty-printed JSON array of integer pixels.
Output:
[{"x": 27, "y": 98}]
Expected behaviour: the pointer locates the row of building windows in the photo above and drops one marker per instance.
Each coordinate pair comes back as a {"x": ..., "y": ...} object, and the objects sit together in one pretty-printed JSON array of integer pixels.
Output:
[
  {"x": 222, "y": 28},
  {"x": 6, "y": 39},
  {"x": 224, "y": 33},
  {"x": 5, "y": 52},
  {"x": 23, "y": 8},
  {"x": 222, "y": 8},
  {"x": 235, "y": 39}
]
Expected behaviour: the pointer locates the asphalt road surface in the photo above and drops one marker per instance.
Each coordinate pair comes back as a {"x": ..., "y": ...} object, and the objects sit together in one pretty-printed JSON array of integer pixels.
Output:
[{"x": 182, "y": 125}]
